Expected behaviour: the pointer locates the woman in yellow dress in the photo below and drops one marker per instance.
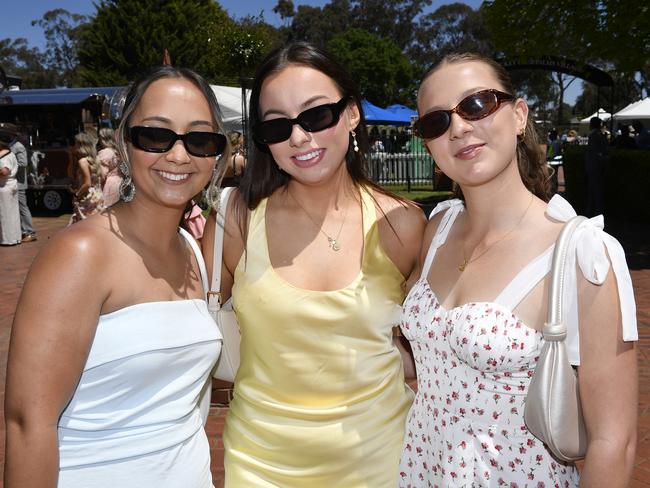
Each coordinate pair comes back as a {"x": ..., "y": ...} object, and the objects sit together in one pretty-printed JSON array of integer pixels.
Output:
[{"x": 318, "y": 259}]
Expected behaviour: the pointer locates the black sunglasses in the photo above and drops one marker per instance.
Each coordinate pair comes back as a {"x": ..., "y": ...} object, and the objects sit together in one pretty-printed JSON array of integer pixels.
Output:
[
  {"x": 312, "y": 120},
  {"x": 160, "y": 140},
  {"x": 473, "y": 107}
]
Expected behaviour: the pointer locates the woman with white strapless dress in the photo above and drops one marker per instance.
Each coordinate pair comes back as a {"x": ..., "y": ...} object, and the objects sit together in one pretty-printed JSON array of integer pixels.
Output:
[{"x": 112, "y": 343}]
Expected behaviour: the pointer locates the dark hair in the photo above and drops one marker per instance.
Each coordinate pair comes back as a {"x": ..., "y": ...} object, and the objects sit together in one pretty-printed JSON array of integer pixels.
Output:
[
  {"x": 262, "y": 176},
  {"x": 530, "y": 158},
  {"x": 595, "y": 123},
  {"x": 134, "y": 95}
]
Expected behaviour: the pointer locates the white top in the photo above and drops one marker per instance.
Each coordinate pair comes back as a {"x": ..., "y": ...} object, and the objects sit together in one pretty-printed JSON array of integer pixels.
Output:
[
  {"x": 589, "y": 246},
  {"x": 139, "y": 390}
]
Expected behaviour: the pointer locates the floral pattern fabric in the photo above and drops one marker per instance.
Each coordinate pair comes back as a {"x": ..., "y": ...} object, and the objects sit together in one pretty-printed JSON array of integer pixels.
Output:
[{"x": 466, "y": 428}]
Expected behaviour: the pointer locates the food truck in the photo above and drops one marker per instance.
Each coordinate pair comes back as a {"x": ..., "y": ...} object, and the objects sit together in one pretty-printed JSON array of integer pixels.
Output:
[{"x": 48, "y": 120}]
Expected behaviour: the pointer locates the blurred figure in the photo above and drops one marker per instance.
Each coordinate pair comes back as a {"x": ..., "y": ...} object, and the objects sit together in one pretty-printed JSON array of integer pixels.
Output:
[
  {"x": 87, "y": 177},
  {"x": 595, "y": 158},
  {"x": 572, "y": 137},
  {"x": 237, "y": 163},
  {"x": 10, "y": 132},
  {"x": 624, "y": 140},
  {"x": 9, "y": 214},
  {"x": 642, "y": 138},
  {"x": 111, "y": 177}
]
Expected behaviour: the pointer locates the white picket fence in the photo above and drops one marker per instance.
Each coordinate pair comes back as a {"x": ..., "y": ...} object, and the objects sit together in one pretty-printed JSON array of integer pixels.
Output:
[{"x": 401, "y": 168}]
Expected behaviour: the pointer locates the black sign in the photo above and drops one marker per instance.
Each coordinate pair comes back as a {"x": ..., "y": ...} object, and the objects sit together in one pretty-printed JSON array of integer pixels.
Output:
[{"x": 563, "y": 65}]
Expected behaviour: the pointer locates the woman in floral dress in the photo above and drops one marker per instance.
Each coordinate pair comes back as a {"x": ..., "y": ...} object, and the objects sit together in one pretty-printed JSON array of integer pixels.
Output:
[
  {"x": 87, "y": 177},
  {"x": 475, "y": 315}
]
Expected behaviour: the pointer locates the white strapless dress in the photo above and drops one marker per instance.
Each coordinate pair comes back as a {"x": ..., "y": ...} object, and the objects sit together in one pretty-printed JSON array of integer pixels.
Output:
[{"x": 134, "y": 420}]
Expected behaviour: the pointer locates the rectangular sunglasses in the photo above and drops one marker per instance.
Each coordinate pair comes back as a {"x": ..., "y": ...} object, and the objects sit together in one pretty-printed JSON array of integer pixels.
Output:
[
  {"x": 312, "y": 120},
  {"x": 161, "y": 139},
  {"x": 473, "y": 107}
]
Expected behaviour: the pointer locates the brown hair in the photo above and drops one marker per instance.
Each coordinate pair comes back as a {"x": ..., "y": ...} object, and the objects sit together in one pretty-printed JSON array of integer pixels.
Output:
[
  {"x": 530, "y": 158},
  {"x": 133, "y": 97},
  {"x": 87, "y": 148},
  {"x": 262, "y": 176}
]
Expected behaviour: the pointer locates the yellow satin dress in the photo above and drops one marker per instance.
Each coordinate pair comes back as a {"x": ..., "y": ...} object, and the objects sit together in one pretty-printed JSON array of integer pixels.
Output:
[{"x": 320, "y": 398}]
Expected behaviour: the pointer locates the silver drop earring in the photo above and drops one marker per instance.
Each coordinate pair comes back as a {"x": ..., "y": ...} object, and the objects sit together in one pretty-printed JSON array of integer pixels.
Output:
[
  {"x": 127, "y": 188},
  {"x": 354, "y": 141}
]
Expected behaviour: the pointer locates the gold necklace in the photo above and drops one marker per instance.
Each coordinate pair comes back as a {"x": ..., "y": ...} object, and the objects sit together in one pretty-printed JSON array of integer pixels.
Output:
[
  {"x": 333, "y": 242},
  {"x": 466, "y": 262}
]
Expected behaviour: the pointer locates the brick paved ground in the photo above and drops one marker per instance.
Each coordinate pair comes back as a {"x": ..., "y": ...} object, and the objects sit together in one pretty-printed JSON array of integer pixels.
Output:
[{"x": 14, "y": 263}]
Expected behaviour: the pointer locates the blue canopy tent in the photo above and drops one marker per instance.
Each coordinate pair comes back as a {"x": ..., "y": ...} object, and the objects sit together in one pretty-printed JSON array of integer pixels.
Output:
[
  {"x": 403, "y": 112},
  {"x": 379, "y": 116}
]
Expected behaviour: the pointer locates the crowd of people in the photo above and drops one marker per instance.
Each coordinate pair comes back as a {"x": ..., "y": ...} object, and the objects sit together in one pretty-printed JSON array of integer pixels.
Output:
[{"x": 342, "y": 291}]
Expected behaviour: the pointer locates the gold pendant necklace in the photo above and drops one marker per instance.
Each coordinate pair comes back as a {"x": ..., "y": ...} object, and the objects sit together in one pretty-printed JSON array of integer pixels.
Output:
[
  {"x": 333, "y": 242},
  {"x": 465, "y": 263}
]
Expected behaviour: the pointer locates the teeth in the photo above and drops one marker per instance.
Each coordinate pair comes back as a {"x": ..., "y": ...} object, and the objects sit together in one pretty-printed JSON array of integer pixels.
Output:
[
  {"x": 174, "y": 176},
  {"x": 307, "y": 156}
]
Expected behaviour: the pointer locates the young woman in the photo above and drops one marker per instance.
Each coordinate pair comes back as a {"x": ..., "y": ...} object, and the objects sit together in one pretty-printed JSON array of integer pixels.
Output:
[
  {"x": 87, "y": 176},
  {"x": 9, "y": 210},
  {"x": 317, "y": 257},
  {"x": 112, "y": 342},
  {"x": 111, "y": 178},
  {"x": 474, "y": 316}
]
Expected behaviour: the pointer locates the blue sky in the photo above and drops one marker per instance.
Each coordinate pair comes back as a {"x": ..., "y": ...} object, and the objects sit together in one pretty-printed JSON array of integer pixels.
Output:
[{"x": 18, "y": 23}]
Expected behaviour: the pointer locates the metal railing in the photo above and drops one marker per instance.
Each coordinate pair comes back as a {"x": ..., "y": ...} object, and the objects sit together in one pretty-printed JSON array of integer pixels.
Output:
[{"x": 410, "y": 169}]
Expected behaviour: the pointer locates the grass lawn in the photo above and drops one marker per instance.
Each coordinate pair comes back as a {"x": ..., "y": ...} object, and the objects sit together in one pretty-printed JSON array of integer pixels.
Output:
[{"x": 418, "y": 194}]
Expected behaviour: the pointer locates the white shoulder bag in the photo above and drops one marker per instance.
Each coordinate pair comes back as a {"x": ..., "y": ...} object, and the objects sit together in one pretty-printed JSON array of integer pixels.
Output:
[
  {"x": 224, "y": 316},
  {"x": 552, "y": 412}
]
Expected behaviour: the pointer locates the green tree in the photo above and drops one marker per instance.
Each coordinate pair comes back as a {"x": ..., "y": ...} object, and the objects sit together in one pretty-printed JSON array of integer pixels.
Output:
[
  {"x": 391, "y": 19},
  {"x": 382, "y": 72},
  {"x": 127, "y": 37},
  {"x": 62, "y": 30},
  {"x": 319, "y": 25},
  {"x": 28, "y": 63},
  {"x": 455, "y": 27},
  {"x": 583, "y": 30},
  {"x": 237, "y": 48}
]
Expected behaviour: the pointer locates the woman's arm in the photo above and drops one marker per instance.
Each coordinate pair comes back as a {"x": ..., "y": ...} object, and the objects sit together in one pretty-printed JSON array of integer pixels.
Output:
[
  {"x": 84, "y": 167},
  {"x": 51, "y": 335},
  {"x": 608, "y": 384}
]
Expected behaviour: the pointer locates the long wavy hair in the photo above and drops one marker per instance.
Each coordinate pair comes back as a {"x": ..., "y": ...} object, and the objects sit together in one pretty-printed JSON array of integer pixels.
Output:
[
  {"x": 530, "y": 157},
  {"x": 133, "y": 97},
  {"x": 86, "y": 147},
  {"x": 262, "y": 175},
  {"x": 107, "y": 138}
]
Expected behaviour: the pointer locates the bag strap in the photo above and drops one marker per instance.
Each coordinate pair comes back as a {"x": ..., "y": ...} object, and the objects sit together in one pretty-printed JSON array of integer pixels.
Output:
[
  {"x": 555, "y": 328},
  {"x": 214, "y": 295}
]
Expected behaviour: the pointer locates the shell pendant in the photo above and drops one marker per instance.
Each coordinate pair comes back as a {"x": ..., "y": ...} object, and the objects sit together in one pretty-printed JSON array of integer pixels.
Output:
[{"x": 334, "y": 244}]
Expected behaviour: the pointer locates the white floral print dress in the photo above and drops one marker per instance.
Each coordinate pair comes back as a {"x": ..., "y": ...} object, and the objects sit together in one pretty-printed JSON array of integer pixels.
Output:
[{"x": 474, "y": 363}]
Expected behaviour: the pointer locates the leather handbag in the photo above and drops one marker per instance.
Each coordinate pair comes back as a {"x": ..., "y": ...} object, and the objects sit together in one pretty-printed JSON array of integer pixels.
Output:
[
  {"x": 552, "y": 412},
  {"x": 223, "y": 314}
]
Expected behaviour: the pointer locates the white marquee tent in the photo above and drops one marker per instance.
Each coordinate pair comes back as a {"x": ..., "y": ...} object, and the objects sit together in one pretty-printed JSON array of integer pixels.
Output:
[
  {"x": 230, "y": 98},
  {"x": 601, "y": 114},
  {"x": 637, "y": 110}
]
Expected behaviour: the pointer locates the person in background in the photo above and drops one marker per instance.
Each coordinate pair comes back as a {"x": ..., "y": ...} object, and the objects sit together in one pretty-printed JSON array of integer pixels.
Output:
[
  {"x": 19, "y": 150},
  {"x": 112, "y": 342},
  {"x": 237, "y": 163},
  {"x": 595, "y": 159},
  {"x": 317, "y": 258},
  {"x": 109, "y": 159},
  {"x": 9, "y": 212},
  {"x": 474, "y": 316},
  {"x": 642, "y": 138},
  {"x": 87, "y": 179}
]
